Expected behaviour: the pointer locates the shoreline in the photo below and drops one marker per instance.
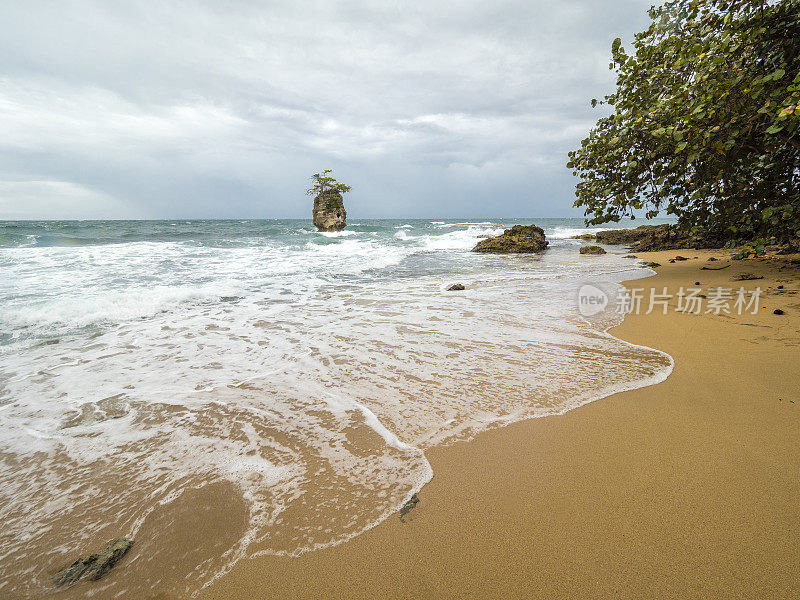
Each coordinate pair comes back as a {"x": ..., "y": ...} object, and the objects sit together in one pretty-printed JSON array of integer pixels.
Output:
[{"x": 618, "y": 497}]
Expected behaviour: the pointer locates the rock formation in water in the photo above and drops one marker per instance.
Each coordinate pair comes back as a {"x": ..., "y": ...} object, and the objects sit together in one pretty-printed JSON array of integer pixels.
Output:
[
  {"x": 329, "y": 212},
  {"x": 591, "y": 250},
  {"x": 646, "y": 238},
  {"x": 519, "y": 239}
]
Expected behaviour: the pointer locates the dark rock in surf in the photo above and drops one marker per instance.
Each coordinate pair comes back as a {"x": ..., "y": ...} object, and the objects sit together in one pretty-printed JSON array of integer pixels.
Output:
[
  {"x": 646, "y": 238},
  {"x": 456, "y": 287},
  {"x": 520, "y": 239},
  {"x": 591, "y": 250},
  {"x": 408, "y": 507},
  {"x": 93, "y": 566}
]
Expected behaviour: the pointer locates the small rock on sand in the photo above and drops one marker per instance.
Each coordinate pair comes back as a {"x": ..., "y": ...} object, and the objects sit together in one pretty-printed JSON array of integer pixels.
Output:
[{"x": 93, "y": 566}]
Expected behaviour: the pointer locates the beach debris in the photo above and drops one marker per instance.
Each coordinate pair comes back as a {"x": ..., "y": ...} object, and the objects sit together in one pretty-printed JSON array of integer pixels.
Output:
[
  {"x": 778, "y": 311},
  {"x": 408, "y": 507},
  {"x": 697, "y": 283},
  {"x": 747, "y": 277},
  {"x": 93, "y": 566},
  {"x": 714, "y": 268},
  {"x": 520, "y": 239},
  {"x": 591, "y": 250},
  {"x": 780, "y": 287},
  {"x": 651, "y": 264},
  {"x": 456, "y": 287}
]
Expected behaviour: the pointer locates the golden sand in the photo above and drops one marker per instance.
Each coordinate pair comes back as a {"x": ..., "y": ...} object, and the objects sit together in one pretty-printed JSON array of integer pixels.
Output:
[{"x": 686, "y": 489}]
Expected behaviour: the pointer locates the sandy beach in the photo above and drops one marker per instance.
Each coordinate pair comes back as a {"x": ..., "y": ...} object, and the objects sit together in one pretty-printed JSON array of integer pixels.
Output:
[{"x": 685, "y": 489}]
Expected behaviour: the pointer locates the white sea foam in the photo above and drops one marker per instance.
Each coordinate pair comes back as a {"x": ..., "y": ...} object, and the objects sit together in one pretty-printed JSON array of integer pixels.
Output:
[
  {"x": 337, "y": 234},
  {"x": 563, "y": 233}
]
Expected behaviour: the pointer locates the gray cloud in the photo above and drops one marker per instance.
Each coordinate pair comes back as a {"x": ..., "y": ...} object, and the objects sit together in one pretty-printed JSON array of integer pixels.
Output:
[{"x": 190, "y": 109}]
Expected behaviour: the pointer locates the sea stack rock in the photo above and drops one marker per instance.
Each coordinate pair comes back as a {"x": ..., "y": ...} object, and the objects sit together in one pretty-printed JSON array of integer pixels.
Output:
[
  {"x": 329, "y": 212},
  {"x": 520, "y": 239}
]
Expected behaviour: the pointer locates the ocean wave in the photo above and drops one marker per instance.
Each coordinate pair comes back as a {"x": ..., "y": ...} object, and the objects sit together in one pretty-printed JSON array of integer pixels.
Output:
[
  {"x": 112, "y": 306},
  {"x": 305, "y": 374},
  {"x": 338, "y": 234},
  {"x": 564, "y": 233}
]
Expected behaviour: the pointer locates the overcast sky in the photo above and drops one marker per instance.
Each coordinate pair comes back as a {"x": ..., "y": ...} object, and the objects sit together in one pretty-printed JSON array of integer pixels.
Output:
[{"x": 224, "y": 109}]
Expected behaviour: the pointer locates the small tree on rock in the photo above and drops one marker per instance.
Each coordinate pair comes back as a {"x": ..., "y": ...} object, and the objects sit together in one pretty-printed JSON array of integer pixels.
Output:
[{"x": 323, "y": 184}]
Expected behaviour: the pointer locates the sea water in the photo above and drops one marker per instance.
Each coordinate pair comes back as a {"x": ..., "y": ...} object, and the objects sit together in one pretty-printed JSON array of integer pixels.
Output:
[{"x": 307, "y": 372}]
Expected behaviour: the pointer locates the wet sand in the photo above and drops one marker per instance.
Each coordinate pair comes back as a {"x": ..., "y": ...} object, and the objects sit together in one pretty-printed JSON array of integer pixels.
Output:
[{"x": 686, "y": 489}]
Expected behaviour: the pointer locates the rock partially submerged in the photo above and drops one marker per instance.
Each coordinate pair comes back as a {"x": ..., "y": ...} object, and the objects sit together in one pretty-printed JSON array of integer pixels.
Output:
[
  {"x": 329, "y": 213},
  {"x": 647, "y": 238},
  {"x": 93, "y": 566},
  {"x": 456, "y": 287},
  {"x": 520, "y": 239},
  {"x": 591, "y": 250},
  {"x": 583, "y": 236},
  {"x": 408, "y": 507}
]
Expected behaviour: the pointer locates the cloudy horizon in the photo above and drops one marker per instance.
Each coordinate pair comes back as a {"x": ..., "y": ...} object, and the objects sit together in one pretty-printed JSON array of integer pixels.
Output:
[{"x": 189, "y": 110}]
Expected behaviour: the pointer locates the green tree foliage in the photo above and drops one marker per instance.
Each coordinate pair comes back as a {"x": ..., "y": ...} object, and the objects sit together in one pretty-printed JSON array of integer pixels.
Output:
[
  {"x": 324, "y": 183},
  {"x": 705, "y": 123}
]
